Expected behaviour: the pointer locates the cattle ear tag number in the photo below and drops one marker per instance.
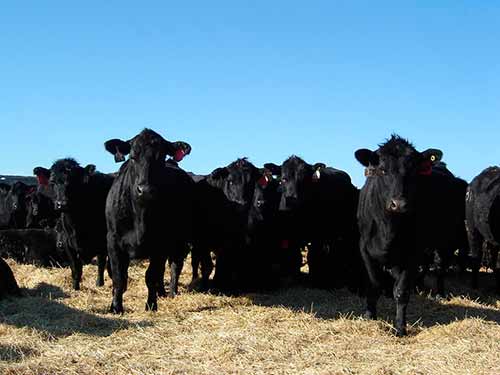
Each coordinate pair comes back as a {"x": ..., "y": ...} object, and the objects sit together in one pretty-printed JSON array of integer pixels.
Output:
[{"x": 316, "y": 175}]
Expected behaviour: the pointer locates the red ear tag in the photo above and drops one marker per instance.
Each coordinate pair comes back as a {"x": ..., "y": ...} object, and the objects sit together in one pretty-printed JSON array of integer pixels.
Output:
[
  {"x": 42, "y": 180},
  {"x": 179, "y": 155},
  {"x": 263, "y": 181},
  {"x": 285, "y": 244},
  {"x": 425, "y": 168}
]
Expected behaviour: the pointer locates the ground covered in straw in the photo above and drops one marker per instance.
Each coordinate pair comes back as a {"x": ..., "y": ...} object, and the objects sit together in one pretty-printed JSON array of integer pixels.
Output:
[{"x": 54, "y": 330}]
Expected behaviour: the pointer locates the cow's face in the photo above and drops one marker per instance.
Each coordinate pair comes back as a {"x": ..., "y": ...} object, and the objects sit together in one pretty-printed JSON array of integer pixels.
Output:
[
  {"x": 395, "y": 166},
  {"x": 67, "y": 180},
  {"x": 33, "y": 208},
  {"x": 18, "y": 197},
  {"x": 39, "y": 209},
  {"x": 266, "y": 196},
  {"x": 295, "y": 174},
  {"x": 147, "y": 152},
  {"x": 237, "y": 181}
]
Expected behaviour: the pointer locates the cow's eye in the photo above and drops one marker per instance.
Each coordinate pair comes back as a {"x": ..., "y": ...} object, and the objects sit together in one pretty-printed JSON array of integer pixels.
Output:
[{"x": 284, "y": 180}]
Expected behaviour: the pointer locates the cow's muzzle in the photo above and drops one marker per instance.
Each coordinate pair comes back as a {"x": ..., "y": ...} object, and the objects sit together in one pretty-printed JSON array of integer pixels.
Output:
[
  {"x": 396, "y": 206},
  {"x": 61, "y": 205},
  {"x": 144, "y": 192}
]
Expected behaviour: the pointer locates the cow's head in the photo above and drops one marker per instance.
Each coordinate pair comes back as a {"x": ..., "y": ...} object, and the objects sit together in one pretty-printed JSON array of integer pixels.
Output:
[
  {"x": 266, "y": 196},
  {"x": 42, "y": 175},
  {"x": 15, "y": 198},
  {"x": 147, "y": 153},
  {"x": 67, "y": 180},
  {"x": 395, "y": 166},
  {"x": 40, "y": 210},
  {"x": 237, "y": 181},
  {"x": 295, "y": 176}
]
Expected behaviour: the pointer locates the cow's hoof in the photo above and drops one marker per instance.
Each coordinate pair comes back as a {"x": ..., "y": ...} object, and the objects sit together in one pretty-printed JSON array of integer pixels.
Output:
[
  {"x": 99, "y": 283},
  {"x": 401, "y": 332},
  {"x": 76, "y": 286},
  {"x": 371, "y": 315},
  {"x": 153, "y": 306},
  {"x": 116, "y": 309},
  {"x": 171, "y": 294}
]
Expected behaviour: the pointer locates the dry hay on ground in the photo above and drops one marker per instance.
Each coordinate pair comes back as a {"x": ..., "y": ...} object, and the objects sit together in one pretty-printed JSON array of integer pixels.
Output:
[{"x": 55, "y": 330}]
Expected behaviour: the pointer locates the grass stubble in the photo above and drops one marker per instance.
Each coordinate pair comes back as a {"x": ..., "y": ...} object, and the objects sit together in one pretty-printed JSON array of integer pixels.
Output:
[{"x": 55, "y": 330}]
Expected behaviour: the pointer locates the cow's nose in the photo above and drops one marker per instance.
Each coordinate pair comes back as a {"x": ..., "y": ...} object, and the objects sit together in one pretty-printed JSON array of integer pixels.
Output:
[
  {"x": 15, "y": 206},
  {"x": 140, "y": 190},
  {"x": 396, "y": 205},
  {"x": 60, "y": 205}
]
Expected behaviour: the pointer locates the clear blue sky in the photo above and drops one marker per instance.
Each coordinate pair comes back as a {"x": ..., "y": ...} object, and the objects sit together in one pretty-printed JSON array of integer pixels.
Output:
[{"x": 263, "y": 79}]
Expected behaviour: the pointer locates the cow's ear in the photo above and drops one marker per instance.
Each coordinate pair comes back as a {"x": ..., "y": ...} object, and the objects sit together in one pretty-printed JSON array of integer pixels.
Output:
[
  {"x": 366, "y": 157},
  {"x": 220, "y": 173},
  {"x": 118, "y": 148},
  {"x": 178, "y": 150},
  {"x": 319, "y": 166},
  {"x": 275, "y": 169},
  {"x": 433, "y": 155}
]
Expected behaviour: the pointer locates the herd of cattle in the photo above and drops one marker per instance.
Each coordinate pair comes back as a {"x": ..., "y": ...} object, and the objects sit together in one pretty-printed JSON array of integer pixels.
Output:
[{"x": 411, "y": 217}]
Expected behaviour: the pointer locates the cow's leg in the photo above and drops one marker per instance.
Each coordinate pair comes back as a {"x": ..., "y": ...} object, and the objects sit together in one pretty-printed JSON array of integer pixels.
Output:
[
  {"x": 373, "y": 288},
  {"x": 108, "y": 267},
  {"x": 101, "y": 266},
  {"x": 76, "y": 267},
  {"x": 372, "y": 296},
  {"x": 441, "y": 263},
  {"x": 119, "y": 269},
  {"x": 496, "y": 264},
  {"x": 476, "y": 242},
  {"x": 206, "y": 268},
  {"x": 153, "y": 274},
  {"x": 195, "y": 262},
  {"x": 161, "y": 280},
  {"x": 176, "y": 264},
  {"x": 402, "y": 297}
]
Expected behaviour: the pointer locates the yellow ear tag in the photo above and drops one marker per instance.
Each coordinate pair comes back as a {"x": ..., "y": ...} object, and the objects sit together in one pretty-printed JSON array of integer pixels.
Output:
[{"x": 433, "y": 157}]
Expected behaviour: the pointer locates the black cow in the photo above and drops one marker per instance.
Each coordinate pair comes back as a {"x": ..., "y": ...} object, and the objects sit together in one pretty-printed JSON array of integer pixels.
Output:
[
  {"x": 8, "y": 284},
  {"x": 80, "y": 197},
  {"x": 148, "y": 213},
  {"x": 13, "y": 209},
  {"x": 41, "y": 212},
  {"x": 222, "y": 203},
  {"x": 32, "y": 246},
  {"x": 267, "y": 257},
  {"x": 405, "y": 208},
  {"x": 483, "y": 221},
  {"x": 318, "y": 210}
]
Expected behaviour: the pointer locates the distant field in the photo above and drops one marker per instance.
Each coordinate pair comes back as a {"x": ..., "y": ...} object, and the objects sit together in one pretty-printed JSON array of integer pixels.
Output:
[{"x": 55, "y": 330}]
